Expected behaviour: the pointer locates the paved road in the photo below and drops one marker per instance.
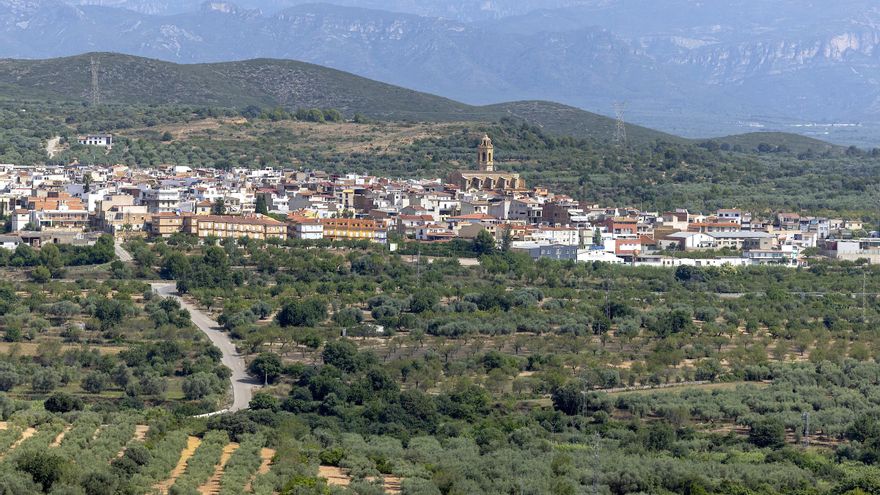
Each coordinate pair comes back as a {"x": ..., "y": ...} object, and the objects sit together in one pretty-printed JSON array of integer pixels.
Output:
[
  {"x": 121, "y": 253},
  {"x": 243, "y": 384}
]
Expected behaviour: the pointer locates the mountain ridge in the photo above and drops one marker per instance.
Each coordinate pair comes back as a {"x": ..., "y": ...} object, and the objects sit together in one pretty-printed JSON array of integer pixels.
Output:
[
  {"x": 270, "y": 83},
  {"x": 127, "y": 79}
]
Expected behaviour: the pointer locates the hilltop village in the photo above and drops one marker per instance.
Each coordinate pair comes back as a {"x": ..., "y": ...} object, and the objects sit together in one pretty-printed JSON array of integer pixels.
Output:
[{"x": 75, "y": 204}]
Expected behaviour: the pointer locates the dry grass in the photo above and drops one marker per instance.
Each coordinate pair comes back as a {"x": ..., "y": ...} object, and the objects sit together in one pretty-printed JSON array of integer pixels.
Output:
[
  {"x": 390, "y": 484},
  {"x": 60, "y": 437},
  {"x": 140, "y": 434},
  {"x": 212, "y": 486},
  {"x": 266, "y": 455},
  {"x": 192, "y": 443},
  {"x": 335, "y": 476},
  {"x": 29, "y": 432},
  {"x": 343, "y": 137}
]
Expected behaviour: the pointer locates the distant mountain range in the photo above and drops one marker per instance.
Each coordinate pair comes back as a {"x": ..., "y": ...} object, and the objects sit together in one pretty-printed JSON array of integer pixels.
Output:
[
  {"x": 461, "y": 10},
  {"x": 695, "y": 68}
]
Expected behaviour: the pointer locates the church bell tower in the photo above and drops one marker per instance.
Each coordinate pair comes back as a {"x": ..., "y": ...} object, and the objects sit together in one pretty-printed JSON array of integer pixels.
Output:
[{"x": 486, "y": 155}]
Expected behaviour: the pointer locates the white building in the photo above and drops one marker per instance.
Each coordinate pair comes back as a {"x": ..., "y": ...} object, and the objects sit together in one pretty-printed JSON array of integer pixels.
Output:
[
  {"x": 20, "y": 219},
  {"x": 688, "y": 241},
  {"x": 102, "y": 140},
  {"x": 9, "y": 242},
  {"x": 732, "y": 216},
  {"x": 308, "y": 230},
  {"x": 594, "y": 255},
  {"x": 567, "y": 236},
  {"x": 165, "y": 200},
  {"x": 670, "y": 261}
]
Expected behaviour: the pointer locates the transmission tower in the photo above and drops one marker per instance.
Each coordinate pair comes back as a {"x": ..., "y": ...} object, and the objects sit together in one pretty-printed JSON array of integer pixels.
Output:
[
  {"x": 96, "y": 90},
  {"x": 620, "y": 132}
]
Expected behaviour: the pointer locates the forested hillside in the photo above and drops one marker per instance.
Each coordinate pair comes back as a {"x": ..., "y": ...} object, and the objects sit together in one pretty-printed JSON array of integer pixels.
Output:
[{"x": 268, "y": 83}]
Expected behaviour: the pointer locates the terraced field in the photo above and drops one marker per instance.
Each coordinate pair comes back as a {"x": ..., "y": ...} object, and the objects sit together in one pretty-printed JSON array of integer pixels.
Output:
[{"x": 209, "y": 464}]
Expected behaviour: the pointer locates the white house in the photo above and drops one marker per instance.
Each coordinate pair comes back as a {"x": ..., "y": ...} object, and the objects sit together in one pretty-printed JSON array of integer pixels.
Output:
[
  {"x": 308, "y": 230},
  {"x": 669, "y": 261},
  {"x": 9, "y": 242},
  {"x": 102, "y": 140},
  {"x": 20, "y": 218},
  {"x": 567, "y": 236},
  {"x": 688, "y": 241},
  {"x": 733, "y": 216},
  {"x": 593, "y": 255}
]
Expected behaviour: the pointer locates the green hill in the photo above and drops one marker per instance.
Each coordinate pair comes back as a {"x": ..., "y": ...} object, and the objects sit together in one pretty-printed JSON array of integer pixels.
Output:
[
  {"x": 269, "y": 83},
  {"x": 777, "y": 141}
]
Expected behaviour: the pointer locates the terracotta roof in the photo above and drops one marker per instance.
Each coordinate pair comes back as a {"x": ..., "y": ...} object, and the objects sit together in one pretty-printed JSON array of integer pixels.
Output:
[{"x": 474, "y": 216}]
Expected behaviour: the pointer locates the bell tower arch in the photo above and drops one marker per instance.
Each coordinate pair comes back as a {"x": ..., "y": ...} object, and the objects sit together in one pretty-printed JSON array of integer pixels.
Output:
[{"x": 486, "y": 155}]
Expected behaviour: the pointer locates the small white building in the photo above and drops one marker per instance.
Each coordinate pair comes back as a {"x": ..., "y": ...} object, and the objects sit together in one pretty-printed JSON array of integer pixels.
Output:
[
  {"x": 688, "y": 241},
  {"x": 567, "y": 236},
  {"x": 9, "y": 242},
  {"x": 671, "y": 261},
  {"x": 598, "y": 255},
  {"x": 102, "y": 140},
  {"x": 20, "y": 219},
  {"x": 308, "y": 230}
]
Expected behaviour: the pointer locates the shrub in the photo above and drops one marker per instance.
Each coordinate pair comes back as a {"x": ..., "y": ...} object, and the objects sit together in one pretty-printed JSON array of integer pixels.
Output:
[
  {"x": 201, "y": 385},
  {"x": 45, "y": 380},
  {"x": 44, "y": 467},
  {"x": 303, "y": 313},
  {"x": 62, "y": 403},
  {"x": 96, "y": 382},
  {"x": 769, "y": 432},
  {"x": 263, "y": 400},
  {"x": 266, "y": 366}
]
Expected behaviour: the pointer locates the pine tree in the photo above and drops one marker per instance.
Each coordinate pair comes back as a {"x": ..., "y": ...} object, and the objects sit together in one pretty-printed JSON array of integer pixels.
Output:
[
  {"x": 507, "y": 239},
  {"x": 219, "y": 207},
  {"x": 262, "y": 208}
]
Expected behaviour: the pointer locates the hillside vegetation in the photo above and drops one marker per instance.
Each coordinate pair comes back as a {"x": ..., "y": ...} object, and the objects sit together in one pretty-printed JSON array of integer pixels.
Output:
[{"x": 277, "y": 83}]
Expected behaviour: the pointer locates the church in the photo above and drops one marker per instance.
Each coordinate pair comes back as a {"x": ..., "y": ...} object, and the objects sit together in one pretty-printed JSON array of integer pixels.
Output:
[{"x": 486, "y": 178}]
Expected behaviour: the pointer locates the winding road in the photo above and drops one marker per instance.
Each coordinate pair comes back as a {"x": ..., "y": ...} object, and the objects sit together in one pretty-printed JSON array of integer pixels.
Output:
[{"x": 243, "y": 384}]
